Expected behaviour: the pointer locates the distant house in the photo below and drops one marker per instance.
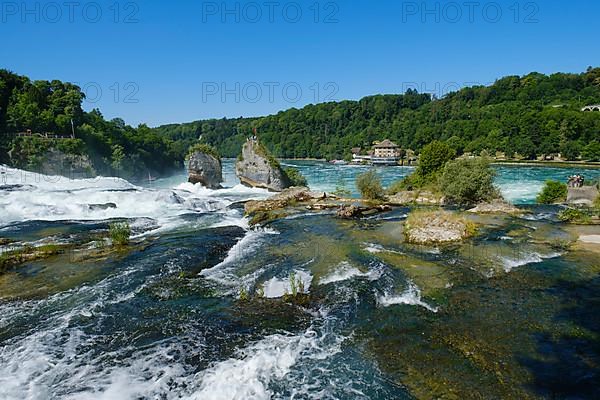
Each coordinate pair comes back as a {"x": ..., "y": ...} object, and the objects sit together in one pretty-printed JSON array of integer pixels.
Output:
[
  {"x": 387, "y": 148},
  {"x": 386, "y": 153}
]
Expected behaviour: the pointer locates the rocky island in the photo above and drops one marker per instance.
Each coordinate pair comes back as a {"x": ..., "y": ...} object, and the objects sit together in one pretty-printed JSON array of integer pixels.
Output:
[
  {"x": 256, "y": 167},
  {"x": 205, "y": 167}
]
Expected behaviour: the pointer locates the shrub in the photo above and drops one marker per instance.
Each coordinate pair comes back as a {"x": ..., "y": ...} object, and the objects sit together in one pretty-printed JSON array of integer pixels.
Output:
[
  {"x": 369, "y": 186},
  {"x": 553, "y": 192},
  {"x": 119, "y": 233},
  {"x": 397, "y": 187},
  {"x": 203, "y": 148},
  {"x": 263, "y": 151},
  {"x": 341, "y": 190},
  {"x": 561, "y": 244},
  {"x": 433, "y": 158},
  {"x": 575, "y": 216},
  {"x": 469, "y": 181},
  {"x": 295, "y": 177}
]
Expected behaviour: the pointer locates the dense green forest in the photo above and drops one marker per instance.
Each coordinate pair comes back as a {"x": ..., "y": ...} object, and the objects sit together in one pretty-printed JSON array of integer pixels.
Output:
[
  {"x": 54, "y": 107},
  {"x": 531, "y": 115}
]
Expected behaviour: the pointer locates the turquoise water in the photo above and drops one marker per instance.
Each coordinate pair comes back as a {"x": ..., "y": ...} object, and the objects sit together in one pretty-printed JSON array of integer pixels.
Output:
[
  {"x": 511, "y": 314},
  {"x": 518, "y": 184}
]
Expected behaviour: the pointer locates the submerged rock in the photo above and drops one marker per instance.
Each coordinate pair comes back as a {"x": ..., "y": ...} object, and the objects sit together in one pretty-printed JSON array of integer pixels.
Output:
[
  {"x": 426, "y": 227},
  {"x": 422, "y": 197},
  {"x": 350, "y": 211},
  {"x": 205, "y": 169},
  {"x": 257, "y": 168},
  {"x": 105, "y": 206},
  {"x": 15, "y": 257},
  {"x": 16, "y": 188},
  {"x": 355, "y": 211}
]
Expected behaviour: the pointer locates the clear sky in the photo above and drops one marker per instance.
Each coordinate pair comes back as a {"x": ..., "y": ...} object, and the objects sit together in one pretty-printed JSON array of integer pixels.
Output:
[{"x": 181, "y": 60}]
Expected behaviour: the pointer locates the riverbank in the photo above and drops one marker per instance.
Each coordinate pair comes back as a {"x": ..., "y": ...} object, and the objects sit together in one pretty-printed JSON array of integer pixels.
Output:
[{"x": 551, "y": 164}]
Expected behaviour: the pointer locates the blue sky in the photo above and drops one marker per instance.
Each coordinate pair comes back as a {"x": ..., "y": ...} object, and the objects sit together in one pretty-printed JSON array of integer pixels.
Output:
[{"x": 175, "y": 61}]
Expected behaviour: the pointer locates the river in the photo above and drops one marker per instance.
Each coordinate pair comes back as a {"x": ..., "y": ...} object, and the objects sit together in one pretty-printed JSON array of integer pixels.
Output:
[{"x": 511, "y": 313}]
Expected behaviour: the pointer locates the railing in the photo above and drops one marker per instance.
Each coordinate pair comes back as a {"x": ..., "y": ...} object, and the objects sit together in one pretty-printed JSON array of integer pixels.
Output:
[
  {"x": 45, "y": 135},
  {"x": 595, "y": 107}
]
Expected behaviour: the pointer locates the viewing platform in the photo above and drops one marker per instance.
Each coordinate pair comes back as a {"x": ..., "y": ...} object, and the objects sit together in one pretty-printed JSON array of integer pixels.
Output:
[{"x": 45, "y": 135}]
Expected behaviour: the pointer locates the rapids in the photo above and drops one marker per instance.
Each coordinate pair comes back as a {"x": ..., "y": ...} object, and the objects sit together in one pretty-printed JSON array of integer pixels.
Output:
[{"x": 509, "y": 314}]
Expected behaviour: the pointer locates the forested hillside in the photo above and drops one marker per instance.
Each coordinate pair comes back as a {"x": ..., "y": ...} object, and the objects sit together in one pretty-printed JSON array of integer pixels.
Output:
[
  {"x": 49, "y": 107},
  {"x": 530, "y": 115}
]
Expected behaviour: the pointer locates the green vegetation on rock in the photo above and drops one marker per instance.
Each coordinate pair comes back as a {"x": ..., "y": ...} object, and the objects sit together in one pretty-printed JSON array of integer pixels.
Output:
[
  {"x": 263, "y": 151},
  {"x": 469, "y": 181},
  {"x": 15, "y": 257},
  {"x": 295, "y": 177},
  {"x": 553, "y": 192},
  {"x": 432, "y": 160},
  {"x": 203, "y": 148},
  {"x": 369, "y": 186},
  {"x": 580, "y": 216},
  {"x": 119, "y": 233}
]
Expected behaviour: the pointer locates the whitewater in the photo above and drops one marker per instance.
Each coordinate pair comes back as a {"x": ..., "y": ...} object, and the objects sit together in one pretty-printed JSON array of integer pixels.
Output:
[{"x": 163, "y": 321}]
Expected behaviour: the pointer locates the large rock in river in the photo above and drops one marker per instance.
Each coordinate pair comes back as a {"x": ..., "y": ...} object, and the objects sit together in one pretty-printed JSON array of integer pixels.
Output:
[
  {"x": 584, "y": 196},
  {"x": 257, "y": 168},
  {"x": 205, "y": 169},
  {"x": 430, "y": 227}
]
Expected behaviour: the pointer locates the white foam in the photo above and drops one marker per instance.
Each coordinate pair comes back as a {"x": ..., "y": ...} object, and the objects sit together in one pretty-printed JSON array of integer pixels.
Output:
[
  {"x": 521, "y": 190},
  {"x": 278, "y": 287},
  {"x": 225, "y": 273},
  {"x": 510, "y": 263},
  {"x": 249, "y": 374},
  {"x": 346, "y": 271},
  {"x": 374, "y": 248},
  {"x": 150, "y": 374},
  {"x": 55, "y": 351},
  {"x": 238, "y": 190},
  {"x": 537, "y": 216},
  {"x": 56, "y": 198},
  {"x": 411, "y": 296}
]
